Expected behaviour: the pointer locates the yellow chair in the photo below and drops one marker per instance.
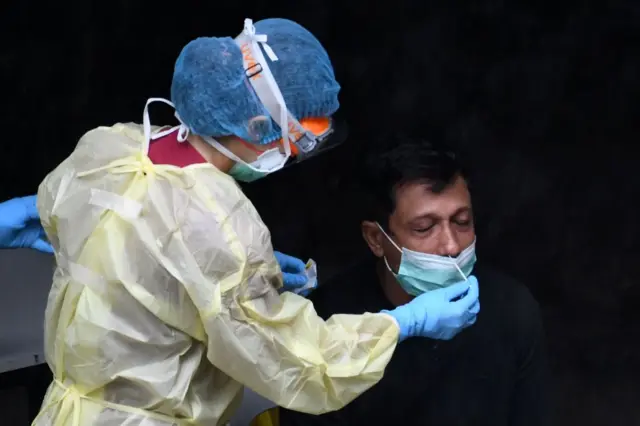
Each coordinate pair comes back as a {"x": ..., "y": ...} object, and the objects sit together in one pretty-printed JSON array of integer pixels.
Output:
[{"x": 270, "y": 417}]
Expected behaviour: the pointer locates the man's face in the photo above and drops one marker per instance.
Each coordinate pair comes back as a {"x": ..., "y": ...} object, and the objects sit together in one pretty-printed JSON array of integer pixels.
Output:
[{"x": 426, "y": 222}]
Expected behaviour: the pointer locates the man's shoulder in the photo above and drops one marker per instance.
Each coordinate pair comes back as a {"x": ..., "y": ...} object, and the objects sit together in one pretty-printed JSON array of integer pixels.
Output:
[
  {"x": 510, "y": 298},
  {"x": 506, "y": 287}
]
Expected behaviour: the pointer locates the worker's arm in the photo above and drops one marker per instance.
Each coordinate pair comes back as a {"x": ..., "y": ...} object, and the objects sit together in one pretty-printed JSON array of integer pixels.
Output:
[{"x": 279, "y": 347}]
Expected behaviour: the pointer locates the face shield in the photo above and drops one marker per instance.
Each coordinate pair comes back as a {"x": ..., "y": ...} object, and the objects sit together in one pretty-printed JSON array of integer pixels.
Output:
[
  {"x": 300, "y": 140},
  {"x": 331, "y": 136}
]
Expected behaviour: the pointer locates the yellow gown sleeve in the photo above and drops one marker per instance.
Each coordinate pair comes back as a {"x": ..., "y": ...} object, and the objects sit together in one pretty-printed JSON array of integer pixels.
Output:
[
  {"x": 280, "y": 348},
  {"x": 274, "y": 343}
]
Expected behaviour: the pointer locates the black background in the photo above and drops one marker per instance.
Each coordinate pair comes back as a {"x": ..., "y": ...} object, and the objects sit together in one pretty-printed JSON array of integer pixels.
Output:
[{"x": 538, "y": 97}]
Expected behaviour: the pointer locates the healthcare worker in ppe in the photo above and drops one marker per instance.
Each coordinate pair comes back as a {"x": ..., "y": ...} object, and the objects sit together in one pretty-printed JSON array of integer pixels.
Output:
[{"x": 165, "y": 299}]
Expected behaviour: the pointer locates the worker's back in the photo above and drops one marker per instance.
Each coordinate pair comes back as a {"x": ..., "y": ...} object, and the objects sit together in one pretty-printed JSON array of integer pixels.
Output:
[
  {"x": 123, "y": 354},
  {"x": 124, "y": 339}
]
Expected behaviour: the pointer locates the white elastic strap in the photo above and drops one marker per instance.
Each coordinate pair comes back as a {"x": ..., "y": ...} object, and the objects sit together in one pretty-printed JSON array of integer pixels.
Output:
[
  {"x": 217, "y": 145},
  {"x": 250, "y": 31},
  {"x": 125, "y": 207},
  {"x": 389, "y": 238},
  {"x": 183, "y": 130},
  {"x": 386, "y": 262},
  {"x": 221, "y": 148},
  {"x": 265, "y": 85}
]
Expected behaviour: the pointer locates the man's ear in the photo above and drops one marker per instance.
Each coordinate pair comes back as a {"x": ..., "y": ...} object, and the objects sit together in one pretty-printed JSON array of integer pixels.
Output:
[{"x": 373, "y": 236}]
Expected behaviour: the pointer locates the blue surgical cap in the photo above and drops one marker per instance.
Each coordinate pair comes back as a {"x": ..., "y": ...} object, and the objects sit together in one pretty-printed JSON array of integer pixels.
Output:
[{"x": 213, "y": 97}]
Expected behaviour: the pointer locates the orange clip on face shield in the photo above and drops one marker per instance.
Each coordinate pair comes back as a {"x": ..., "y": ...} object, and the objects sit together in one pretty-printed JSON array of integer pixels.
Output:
[{"x": 323, "y": 128}]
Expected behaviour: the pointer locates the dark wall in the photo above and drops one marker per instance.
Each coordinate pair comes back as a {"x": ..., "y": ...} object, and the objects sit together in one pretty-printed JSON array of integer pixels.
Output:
[{"x": 537, "y": 98}]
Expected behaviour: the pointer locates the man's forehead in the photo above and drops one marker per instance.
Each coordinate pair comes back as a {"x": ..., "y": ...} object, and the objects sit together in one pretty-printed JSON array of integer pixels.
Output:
[{"x": 416, "y": 199}]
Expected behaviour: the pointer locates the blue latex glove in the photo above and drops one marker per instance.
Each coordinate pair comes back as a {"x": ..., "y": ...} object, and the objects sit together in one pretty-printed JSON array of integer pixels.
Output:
[
  {"x": 440, "y": 314},
  {"x": 293, "y": 271},
  {"x": 20, "y": 225}
]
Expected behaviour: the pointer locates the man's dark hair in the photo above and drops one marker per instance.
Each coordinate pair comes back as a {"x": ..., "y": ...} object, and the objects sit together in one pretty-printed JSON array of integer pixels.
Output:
[{"x": 408, "y": 160}]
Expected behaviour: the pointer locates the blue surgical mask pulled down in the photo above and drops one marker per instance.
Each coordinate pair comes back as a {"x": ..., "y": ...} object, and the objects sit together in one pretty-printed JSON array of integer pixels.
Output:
[{"x": 421, "y": 272}]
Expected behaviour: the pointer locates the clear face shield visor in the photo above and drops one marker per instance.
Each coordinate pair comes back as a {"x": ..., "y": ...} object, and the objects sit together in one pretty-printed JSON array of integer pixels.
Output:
[
  {"x": 331, "y": 137},
  {"x": 321, "y": 135}
]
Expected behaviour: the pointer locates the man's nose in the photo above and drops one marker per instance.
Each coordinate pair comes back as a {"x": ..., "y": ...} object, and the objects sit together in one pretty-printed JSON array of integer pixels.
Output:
[{"x": 449, "y": 245}]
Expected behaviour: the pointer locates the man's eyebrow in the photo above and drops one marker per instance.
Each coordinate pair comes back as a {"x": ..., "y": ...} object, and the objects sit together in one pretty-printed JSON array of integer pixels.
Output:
[
  {"x": 435, "y": 215},
  {"x": 462, "y": 209}
]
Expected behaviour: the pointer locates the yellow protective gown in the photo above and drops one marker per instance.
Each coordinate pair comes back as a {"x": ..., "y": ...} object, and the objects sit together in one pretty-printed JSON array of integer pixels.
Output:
[{"x": 164, "y": 302}]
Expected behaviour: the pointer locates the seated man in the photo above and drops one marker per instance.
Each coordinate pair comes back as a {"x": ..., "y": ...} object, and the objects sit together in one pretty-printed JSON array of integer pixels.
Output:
[{"x": 420, "y": 230}]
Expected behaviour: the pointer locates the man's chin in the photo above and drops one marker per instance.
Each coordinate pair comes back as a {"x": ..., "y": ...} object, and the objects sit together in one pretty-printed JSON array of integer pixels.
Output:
[{"x": 397, "y": 295}]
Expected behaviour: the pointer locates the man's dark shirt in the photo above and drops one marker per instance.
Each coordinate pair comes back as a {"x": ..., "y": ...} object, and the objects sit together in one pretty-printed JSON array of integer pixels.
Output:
[{"x": 493, "y": 373}]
